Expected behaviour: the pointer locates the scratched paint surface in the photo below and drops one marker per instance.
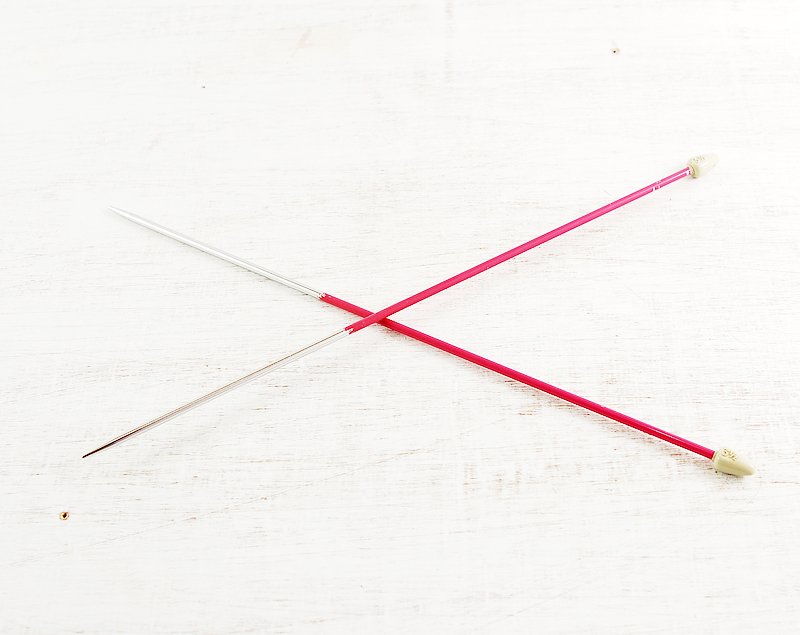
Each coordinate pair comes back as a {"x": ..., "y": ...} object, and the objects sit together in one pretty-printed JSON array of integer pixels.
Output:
[{"x": 371, "y": 149}]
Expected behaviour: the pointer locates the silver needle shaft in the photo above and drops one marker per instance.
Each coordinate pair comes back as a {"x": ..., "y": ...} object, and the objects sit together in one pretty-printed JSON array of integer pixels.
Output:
[
  {"x": 241, "y": 262},
  {"x": 283, "y": 361}
]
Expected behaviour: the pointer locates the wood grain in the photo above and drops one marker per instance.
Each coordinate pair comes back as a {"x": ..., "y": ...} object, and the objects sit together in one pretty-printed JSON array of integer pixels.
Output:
[{"x": 370, "y": 149}]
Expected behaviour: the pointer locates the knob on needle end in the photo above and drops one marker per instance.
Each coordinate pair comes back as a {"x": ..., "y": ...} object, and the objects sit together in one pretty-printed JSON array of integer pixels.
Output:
[
  {"x": 727, "y": 461},
  {"x": 702, "y": 164}
]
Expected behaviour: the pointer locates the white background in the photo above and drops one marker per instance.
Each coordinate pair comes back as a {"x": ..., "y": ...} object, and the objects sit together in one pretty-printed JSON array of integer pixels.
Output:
[{"x": 370, "y": 149}]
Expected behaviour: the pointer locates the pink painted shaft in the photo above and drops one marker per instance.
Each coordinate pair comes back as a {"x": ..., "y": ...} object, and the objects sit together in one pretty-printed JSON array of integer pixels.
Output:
[
  {"x": 525, "y": 379},
  {"x": 511, "y": 253}
]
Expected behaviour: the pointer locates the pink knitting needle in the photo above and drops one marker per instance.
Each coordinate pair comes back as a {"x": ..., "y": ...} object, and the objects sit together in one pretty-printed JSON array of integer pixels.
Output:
[
  {"x": 696, "y": 167},
  {"x": 464, "y": 354}
]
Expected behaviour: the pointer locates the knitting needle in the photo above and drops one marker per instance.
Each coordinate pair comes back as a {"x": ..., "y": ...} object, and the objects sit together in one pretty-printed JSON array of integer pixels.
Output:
[
  {"x": 715, "y": 457},
  {"x": 695, "y": 167}
]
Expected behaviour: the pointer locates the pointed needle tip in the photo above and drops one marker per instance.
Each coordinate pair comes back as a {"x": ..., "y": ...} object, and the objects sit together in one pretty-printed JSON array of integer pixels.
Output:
[{"x": 100, "y": 449}]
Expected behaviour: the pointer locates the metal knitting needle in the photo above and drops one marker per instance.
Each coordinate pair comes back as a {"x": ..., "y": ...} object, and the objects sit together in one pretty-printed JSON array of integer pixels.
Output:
[
  {"x": 716, "y": 457},
  {"x": 695, "y": 167}
]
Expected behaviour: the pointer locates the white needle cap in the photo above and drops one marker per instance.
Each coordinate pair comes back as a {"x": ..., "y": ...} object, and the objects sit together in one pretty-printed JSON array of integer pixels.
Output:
[
  {"x": 702, "y": 164},
  {"x": 726, "y": 460}
]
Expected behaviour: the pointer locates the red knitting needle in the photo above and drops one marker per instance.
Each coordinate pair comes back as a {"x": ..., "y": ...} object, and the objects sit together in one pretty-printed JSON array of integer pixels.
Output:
[
  {"x": 716, "y": 457},
  {"x": 696, "y": 167}
]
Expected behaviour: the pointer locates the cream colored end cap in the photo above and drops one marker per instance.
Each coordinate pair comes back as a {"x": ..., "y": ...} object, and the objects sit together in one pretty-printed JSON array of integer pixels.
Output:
[
  {"x": 726, "y": 460},
  {"x": 702, "y": 164}
]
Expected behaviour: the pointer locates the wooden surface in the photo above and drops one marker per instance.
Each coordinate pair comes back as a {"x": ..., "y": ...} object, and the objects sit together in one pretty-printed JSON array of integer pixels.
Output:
[{"x": 370, "y": 149}]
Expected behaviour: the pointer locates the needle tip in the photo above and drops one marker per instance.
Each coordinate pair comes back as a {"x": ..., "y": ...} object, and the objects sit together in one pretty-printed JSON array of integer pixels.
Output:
[
  {"x": 117, "y": 210},
  {"x": 727, "y": 461},
  {"x": 102, "y": 447}
]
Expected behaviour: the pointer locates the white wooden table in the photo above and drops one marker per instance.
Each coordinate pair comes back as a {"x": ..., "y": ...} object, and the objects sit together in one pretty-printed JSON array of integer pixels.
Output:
[{"x": 370, "y": 149}]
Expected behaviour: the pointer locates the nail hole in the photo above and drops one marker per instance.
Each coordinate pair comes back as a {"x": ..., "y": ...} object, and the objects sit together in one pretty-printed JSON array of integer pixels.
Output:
[{"x": 63, "y": 515}]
